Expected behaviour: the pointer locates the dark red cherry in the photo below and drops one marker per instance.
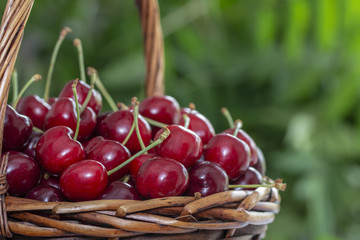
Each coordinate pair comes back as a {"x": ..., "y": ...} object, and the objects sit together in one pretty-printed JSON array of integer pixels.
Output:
[
  {"x": 56, "y": 150},
  {"x": 120, "y": 190},
  {"x": 52, "y": 100},
  {"x": 30, "y": 146},
  {"x": 83, "y": 181},
  {"x": 250, "y": 176},
  {"x": 82, "y": 90},
  {"x": 110, "y": 153},
  {"x": 117, "y": 125},
  {"x": 199, "y": 124},
  {"x": 45, "y": 194},
  {"x": 17, "y": 130},
  {"x": 249, "y": 141},
  {"x": 231, "y": 153},
  {"x": 135, "y": 164},
  {"x": 207, "y": 178},
  {"x": 261, "y": 163},
  {"x": 162, "y": 177},
  {"x": 35, "y": 108},
  {"x": 49, "y": 180},
  {"x": 99, "y": 118},
  {"x": 183, "y": 145},
  {"x": 22, "y": 173}
]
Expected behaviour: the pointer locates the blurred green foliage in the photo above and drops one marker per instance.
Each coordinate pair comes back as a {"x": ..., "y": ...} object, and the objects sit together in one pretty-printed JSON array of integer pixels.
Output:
[{"x": 287, "y": 68}]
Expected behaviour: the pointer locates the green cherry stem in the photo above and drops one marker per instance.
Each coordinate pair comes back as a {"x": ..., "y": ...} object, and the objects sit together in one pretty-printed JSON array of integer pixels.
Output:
[
  {"x": 155, "y": 123},
  {"x": 35, "y": 129},
  {"x": 278, "y": 184},
  {"x": 136, "y": 120},
  {"x": 93, "y": 76},
  {"x": 129, "y": 134},
  {"x": 78, "y": 45},
  {"x": 15, "y": 84},
  {"x": 228, "y": 117},
  {"x": 34, "y": 78},
  {"x": 77, "y": 109},
  {"x": 62, "y": 36},
  {"x": 238, "y": 126},
  {"x": 186, "y": 121},
  {"x": 163, "y": 136}
]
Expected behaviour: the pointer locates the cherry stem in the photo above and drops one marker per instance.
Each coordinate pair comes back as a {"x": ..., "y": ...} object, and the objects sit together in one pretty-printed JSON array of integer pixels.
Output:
[
  {"x": 136, "y": 120},
  {"x": 35, "y": 129},
  {"x": 62, "y": 36},
  {"x": 15, "y": 84},
  {"x": 105, "y": 93},
  {"x": 192, "y": 106},
  {"x": 278, "y": 184},
  {"x": 228, "y": 117},
  {"x": 155, "y": 123},
  {"x": 186, "y": 121},
  {"x": 129, "y": 134},
  {"x": 122, "y": 106},
  {"x": 238, "y": 126},
  {"x": 93, "y": 76},
  {"x": 34, "y": 78},
  {"x": 78, "y": 45},
  {"x": 162, "y": 137},
  {"x": 77, "y": 109}
]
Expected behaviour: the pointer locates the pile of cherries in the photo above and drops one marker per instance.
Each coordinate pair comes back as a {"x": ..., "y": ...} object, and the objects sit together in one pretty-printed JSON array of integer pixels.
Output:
[{"x": 65, "y": 149}]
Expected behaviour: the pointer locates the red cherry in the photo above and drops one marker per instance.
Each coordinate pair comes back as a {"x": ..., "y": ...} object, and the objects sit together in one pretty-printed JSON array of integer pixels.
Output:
[
  {"x": 17, "y": 130},
  {"x": 84, "y": 180},
  {"x": 35, "y": 108},
  {"x": 49, "y": 180},
  {"x": 199, "y": 124},
  {"x": 120, "y": 190},
  {"x": 250, "y": 142},
  {"x": 117, "y": 125},
  {"x": 250, "y": 176},
  {"x": 135, "y": 164},
  {"x": 45, "y": 194},
  {"x": 56, "y": 150},
  {"x": 207, "y": 178},
  {"x": 110, "y": 153},
  {"x": 183, "y": 145},
  {"x": 82, "y": 90},
  {"x": 30, "y": 146},
  {"x": 22, "y": 173},
  {"x": 231, "y": 153},
  {"x": 162, "y": 177}
]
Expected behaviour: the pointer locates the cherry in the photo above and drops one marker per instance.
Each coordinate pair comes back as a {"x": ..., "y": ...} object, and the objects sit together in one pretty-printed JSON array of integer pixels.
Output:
[
  {"x": 30, "y": 146},
  {"x": 116, "y": 126},
  {"x": 231, "y": 153},
  {"x": 135, "y": 165},
  {"x": 199, "y": 124},
  {"x": 35, "y": 108},
  {"x": 120, "y": 190},
  {"x": 250, "y": 176},
  {"x": 83, "y": 181},
  {"x": 207, "y": 178},
  {"x": 250, "y": 142},
  {"x": 82, "y": 90},
  {"x": 182, "y": 145},
  {"x": 22, "y": 173},
  {"x": 261, "y": 163},
  {"x": 56, "y": 150},
  {"x": 17, "y": 130},
  {"x": 110, "y": 153},
  {"x": 162, "y": 177},
  {"x": 45, "y": 194},
  {"x": 49, "y": 180}
]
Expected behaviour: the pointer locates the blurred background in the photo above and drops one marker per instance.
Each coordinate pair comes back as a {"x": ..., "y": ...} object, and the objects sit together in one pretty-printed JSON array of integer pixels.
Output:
[{"x": 288, "y": 68}]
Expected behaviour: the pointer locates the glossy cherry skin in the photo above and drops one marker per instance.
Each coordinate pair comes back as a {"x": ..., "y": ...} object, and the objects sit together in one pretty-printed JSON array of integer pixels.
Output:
[
  {"x": 56, "y": 150},
  {"x": 45, "y": 194},
  {"x": 82, "y": 90},
  {"x": 135, "y": 164},
  {"x": 162, "y": 177},
  {"x": 22, "y": 173},
  {"x": 198, "y": 124},
  {"x": 250, "y": 176},
  {"x": 83, "y": 181},
  {"x": 231, "y": 153},
  {"x": 207, "y": 178},
  {"x": 35, "y": 108},
  {"x": 117, "y": 125},
  {"x": 249, "y": 141},
  {"x": 49, "y": 180},
  {"x": 17, "y": 130},
  {"x": 30, "y": 146},
  {"x": 120, "y": 190},
  {"x": 261, "y": 163},
  {"x": 110, "y": 153},
  {"x": 182, "y": 145}
]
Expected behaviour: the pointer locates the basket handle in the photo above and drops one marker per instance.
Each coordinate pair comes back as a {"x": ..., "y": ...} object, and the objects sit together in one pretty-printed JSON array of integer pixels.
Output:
[{"x": 153, "y": 47}]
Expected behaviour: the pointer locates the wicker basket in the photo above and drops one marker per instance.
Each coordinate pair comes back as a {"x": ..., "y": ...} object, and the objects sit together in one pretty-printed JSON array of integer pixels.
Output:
[{"x": 231, "y": 214}]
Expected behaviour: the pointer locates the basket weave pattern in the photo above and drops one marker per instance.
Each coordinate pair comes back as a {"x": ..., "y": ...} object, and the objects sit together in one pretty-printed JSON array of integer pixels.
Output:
[{"x": 231, "y": 214}]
